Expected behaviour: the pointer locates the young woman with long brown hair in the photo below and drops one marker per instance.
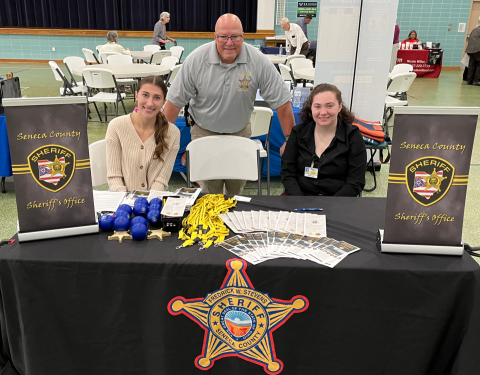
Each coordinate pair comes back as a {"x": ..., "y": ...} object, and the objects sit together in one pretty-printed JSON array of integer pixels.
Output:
[
  {"x": 142, "y": 146},
  {"x": 325, "y": 155}
]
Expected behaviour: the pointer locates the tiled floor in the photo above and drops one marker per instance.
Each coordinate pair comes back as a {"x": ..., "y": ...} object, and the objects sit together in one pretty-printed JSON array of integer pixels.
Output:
[{"x": 449, "y": 90}]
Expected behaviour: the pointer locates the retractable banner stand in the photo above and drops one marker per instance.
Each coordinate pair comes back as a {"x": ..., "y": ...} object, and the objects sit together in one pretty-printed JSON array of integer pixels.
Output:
[
  {"x": 51, "y": 166},
  {"x": 428, "y": 178}
]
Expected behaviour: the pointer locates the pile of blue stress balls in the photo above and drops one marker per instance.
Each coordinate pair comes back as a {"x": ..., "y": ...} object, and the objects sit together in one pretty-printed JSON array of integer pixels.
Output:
[{"x": 143, "y": 212}]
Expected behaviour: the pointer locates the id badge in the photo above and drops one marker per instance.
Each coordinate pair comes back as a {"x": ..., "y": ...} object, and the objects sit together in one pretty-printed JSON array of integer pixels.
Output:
[{"x": 311, "y": 172}]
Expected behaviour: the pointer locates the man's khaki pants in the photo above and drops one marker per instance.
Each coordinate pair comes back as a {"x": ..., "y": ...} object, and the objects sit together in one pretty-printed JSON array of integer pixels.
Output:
[{"x": 217, "y": 186}]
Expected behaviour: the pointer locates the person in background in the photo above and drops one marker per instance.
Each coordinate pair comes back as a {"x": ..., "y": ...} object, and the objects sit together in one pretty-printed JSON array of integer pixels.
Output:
[
  {"x": 296, "y": 40},
  {"x": 412, "y": 38},
  {"x": 160, "y": 37},
  {"x": 473, "y": 51},
  {"x": 396, "y": 44},
  {"x": 142, "y": 146},
  {"x": 219, "y": 80},
  {"x": 303, "y": 22},
  {"x": 112, "y": 45},
  {"x": 325, "y": 154}
]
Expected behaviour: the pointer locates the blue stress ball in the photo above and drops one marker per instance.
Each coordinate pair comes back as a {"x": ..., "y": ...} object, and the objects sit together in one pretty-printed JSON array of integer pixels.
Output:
[
  {"x": 156, "y": 201},
  {"x": 106, "y": 222},
  {"x": 140, "y": 210},
  {"x": 153, "y": 217},
  {"x": 154, "y": 207},
  {"x": 125, "y": 207},
  {"x": 122, "y": 213},
  {"x": 139, "y": 220},
  {"x": 138, "y": 231},
  {"x": 140, "y": 202},
  {"x": 121, "y": 223}
]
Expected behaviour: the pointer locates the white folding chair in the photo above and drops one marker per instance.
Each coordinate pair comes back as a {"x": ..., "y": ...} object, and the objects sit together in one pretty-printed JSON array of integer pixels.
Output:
[
  {"x": 398, "y": 83},
  {"x": 158, "y": 56},
  {"x": 397, "y": 69},
  {"x": 401, "y": 68},
  {"x": 177, "y": 51},
  {"x": 287, "y": 75},
  {"x": 223, "y": 157},
  {"x": 104, "y": 56},
  {"x": 67, "y": 88},
  {"x": 173, "y": 73},
  {"x": 72, "y": 62},
  {"x": 98, "y": 48},
  {"x": 97, "y": 78},
  {"x": 90, "y": 56},
  {"x": 123, "y": 59},
  {"x": 169, "y": 61},
  {"x": 293, "y": 57},
  {"x": 261, "y": 123},
  {"x": 98, "y": 165},
  {"x": 151, "y": 47},
  {"x": 296, "y": 64}
]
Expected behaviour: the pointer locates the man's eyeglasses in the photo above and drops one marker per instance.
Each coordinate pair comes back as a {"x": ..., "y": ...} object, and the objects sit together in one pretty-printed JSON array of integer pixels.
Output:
[{"x": 224, "y": 38}]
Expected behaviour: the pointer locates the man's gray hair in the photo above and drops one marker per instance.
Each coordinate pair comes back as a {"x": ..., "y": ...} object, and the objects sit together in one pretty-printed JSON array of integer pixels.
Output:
[
  {"x": 163, "y": 15},
  {"x": 112, "y": 36},
  {"x": 284, "y": 21}
]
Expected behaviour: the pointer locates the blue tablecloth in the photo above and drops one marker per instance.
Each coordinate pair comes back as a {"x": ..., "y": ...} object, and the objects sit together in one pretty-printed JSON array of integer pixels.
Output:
[
  {"x": 276, "y": 141},
  {"x": 272, "y": 50},
  {"x": 5, "y": 162}
]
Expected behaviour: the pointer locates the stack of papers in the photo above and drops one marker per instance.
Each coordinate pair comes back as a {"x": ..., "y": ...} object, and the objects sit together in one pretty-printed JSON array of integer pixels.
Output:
[
  {"x": 190, "y": 193},
  {"x": 149, "y": 194},
  {"x": 259, "y": 247},
  {"x": 282, "y": 221},
  {"x": 105, "y": 201}
]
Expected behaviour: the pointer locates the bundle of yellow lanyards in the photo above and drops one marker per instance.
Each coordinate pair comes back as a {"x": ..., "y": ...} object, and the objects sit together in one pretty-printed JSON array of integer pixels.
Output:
[{"x": 203, "y": 225}]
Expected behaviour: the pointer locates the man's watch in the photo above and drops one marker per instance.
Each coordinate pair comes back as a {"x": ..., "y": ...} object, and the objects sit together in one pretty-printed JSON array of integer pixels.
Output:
[{"x": 286, "y": 138}]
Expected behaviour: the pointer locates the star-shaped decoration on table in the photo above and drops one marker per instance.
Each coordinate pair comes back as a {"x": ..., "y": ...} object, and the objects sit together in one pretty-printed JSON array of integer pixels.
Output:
[
  {"x": 120, "y": 236},
  {"x": 158, "y": 234},
  {"x": 238, "y": 320}
]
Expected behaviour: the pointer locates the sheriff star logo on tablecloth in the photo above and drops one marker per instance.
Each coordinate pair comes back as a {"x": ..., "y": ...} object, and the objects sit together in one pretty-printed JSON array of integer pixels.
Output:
[{"x": 238, "y": 320}]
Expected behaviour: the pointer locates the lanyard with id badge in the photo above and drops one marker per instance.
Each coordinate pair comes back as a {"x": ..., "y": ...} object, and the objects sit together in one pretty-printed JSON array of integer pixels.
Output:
[{"x": 311, "y": 172}]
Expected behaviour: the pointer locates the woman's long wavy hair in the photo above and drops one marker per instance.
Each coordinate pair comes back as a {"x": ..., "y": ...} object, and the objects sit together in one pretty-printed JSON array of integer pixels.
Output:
[
  {"x": 306, "y": 112},
  {"x": 161, "y": 122},
  {"x": 410, "y": 34}
]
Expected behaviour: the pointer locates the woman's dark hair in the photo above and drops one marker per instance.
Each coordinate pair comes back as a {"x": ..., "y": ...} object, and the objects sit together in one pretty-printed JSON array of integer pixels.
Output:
[
  {"x": 306, "y": 111},
  {"x": 161, "y": 122},
  {"x": 410, "y": 33}
]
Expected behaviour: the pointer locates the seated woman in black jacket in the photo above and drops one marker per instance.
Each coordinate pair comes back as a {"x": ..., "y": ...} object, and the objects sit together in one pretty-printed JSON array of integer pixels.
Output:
[{"x": 325, "y": 154}]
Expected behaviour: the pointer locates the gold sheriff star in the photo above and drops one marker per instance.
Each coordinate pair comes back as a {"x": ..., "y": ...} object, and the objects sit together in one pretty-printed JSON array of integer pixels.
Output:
[
  {"x": 237, "y": 297},
  {"x": 434, "y": 181},
  {"x": 120, "y": 236},
  {"x": 158, "y": 234},
  {"x": 58, "y": 167},
  {"x": 244, "y": 82}
]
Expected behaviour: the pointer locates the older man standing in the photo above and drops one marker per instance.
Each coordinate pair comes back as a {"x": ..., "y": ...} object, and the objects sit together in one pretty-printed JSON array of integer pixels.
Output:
[
  {"x": 160, "y": 37},
  {"x": 296, "y": 39},
  {"x": 220, "y": 80}
]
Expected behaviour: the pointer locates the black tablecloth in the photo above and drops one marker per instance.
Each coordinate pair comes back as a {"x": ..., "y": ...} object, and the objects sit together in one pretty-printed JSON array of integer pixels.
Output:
[{"x": 85, "y": 305}]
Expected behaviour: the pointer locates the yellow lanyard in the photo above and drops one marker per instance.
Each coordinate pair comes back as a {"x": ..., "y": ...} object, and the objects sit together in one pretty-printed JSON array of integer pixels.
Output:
[{"x": 203, "y": 225}]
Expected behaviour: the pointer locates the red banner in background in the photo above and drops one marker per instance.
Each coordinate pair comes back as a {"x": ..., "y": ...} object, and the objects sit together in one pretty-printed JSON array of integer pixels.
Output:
[{"x": 419, "y": 60}]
